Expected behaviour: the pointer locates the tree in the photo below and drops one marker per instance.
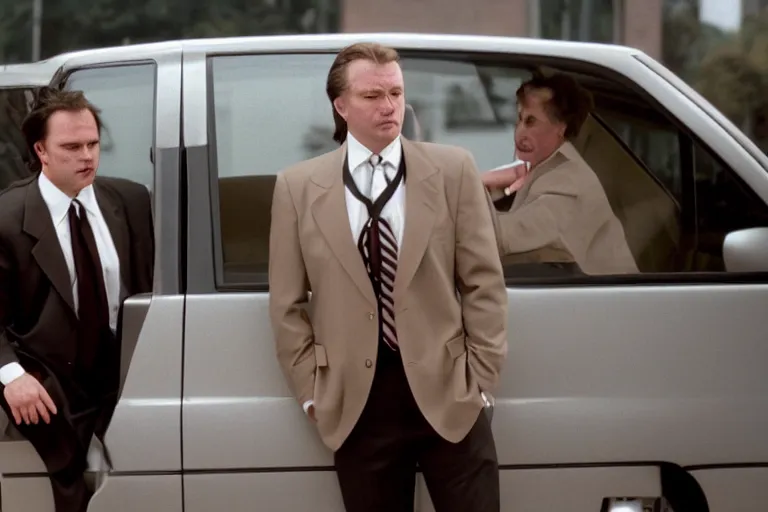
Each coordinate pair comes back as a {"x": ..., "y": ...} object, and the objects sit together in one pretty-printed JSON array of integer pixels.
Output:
[
  {"x": 15, "y": 31},
  {"x": 734, "y": 77},
  {"x": 685, "y": 40},
  {"x": 71, "y": 25}
]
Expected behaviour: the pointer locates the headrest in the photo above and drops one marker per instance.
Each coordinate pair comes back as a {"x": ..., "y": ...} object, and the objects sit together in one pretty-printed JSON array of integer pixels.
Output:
[{"x": 411, "y": 128}]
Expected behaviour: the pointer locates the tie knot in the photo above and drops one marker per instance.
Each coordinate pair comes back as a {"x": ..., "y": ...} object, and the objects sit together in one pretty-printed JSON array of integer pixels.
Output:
[
  {"x": 75, "y": 207},
  {"x": 375, "y": 160}
]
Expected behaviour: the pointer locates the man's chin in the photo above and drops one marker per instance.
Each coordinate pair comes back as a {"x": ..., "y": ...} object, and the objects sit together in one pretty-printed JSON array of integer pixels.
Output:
[
  {"x": 523, "y": 155},
  {"x": 86, "y": 178},
  {"x": 390, "y": 130}
]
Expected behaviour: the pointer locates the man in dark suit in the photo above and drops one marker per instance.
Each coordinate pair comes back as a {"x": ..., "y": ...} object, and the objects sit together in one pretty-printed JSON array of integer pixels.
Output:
[{"x": 72, "y": 247}]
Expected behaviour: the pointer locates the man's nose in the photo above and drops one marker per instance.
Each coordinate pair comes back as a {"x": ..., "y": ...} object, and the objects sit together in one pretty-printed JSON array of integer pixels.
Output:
[
  {"x": 389, "y": 105},
  {"x": 87, "y": 153}
]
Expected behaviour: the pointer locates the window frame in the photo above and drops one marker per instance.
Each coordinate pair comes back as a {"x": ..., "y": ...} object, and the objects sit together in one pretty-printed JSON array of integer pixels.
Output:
[
  {"x": 166, "y": 172},
  {"x": 62, "y": 81},
  {"x": 686, "y": 139}
]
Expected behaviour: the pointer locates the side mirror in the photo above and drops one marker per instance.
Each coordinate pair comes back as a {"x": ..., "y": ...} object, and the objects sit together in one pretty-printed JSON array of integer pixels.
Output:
[{"x": 746, "y": 250}]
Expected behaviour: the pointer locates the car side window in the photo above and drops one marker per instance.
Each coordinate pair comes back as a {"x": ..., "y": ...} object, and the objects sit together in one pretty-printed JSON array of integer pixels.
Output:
[
  {"x": 271, "y": 111},
  {"x": 724, "y": 204},
  {"x": 125, "y": 94}
]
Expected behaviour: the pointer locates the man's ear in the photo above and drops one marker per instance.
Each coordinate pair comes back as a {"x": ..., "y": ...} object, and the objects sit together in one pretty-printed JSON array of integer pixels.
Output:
[
  {"x": 341, "y": 107},
  {"x": 561, "y": 130},
  {"x": 40, "y": 150}
]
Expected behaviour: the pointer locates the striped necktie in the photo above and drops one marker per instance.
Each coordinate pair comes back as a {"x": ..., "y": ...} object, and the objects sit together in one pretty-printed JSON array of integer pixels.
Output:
[{"x": 379, "y": 248}]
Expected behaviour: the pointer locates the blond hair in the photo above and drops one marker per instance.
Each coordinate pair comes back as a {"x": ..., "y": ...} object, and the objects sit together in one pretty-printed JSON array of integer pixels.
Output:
[{"x": 337, "y": 76}]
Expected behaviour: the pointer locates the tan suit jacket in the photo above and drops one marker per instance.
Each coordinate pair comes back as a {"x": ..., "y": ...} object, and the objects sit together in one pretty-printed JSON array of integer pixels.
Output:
[
  {"x": 452, "y": 344},
  {"x": 561, "y": 214}
]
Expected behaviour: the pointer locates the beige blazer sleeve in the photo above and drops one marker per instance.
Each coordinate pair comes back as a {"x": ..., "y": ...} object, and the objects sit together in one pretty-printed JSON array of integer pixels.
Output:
[
  {"x": 289, "y": 295},
  {"x": 480, "y": 280},
  {"x": 544, "y": 214}
]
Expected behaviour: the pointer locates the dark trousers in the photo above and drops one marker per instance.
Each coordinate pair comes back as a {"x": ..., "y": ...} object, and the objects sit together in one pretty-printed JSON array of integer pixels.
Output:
[
  {"x": 63, "y": 444},
  {"x": 376, "y": 465}
]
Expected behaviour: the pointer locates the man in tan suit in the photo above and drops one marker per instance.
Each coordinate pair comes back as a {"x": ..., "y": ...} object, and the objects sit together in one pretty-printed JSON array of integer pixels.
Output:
[
  {"x": 405, "y": 330},
  {"x": 555, "y": 209}
]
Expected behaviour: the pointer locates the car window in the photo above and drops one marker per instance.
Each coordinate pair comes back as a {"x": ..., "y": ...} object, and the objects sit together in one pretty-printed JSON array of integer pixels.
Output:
[
  {"x": 271, "y": 111},
  {"x": 656, "y": 144},
  {"x": 15, "y": 157},
  {"x": 125, "y": 95},
  {"x": 724, "y": 204}
]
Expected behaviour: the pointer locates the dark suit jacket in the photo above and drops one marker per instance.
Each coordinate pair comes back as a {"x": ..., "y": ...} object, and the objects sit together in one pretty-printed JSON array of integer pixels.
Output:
[{"x": 37, "y": 317}]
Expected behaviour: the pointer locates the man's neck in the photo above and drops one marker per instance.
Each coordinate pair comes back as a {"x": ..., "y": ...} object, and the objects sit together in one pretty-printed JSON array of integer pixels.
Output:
[
  {"x": 375, "y": 147},
  {"x": 69, "y": 193}
]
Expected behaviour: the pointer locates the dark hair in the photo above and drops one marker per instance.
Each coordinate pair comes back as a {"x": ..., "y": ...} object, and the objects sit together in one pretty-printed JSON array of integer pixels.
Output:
[
  {"x": 337, "y": 76},
  {"x": 47, "y": 102},
  {"x": 570, "y": 102}
]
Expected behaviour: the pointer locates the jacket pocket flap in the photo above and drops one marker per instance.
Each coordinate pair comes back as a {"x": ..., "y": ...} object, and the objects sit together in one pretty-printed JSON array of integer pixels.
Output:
[
  {"x": 457, "y": 346},
  {"x": 321, "y": 358}
]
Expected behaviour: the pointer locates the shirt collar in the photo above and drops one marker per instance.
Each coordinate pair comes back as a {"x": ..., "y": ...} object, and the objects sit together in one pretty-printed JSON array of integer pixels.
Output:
[
  {"x": 359, "y": 154},
  {"x": 58, "y": 202}
]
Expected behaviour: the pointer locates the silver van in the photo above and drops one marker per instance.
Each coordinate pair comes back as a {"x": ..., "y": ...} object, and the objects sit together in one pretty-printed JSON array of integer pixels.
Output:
[{"x": 620, "y": 392}]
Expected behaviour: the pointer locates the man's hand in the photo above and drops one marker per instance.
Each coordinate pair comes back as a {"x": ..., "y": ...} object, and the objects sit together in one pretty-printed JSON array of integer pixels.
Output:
[
  {"x": 29, "y": 400},
  {"x": 511, "y": 177}
]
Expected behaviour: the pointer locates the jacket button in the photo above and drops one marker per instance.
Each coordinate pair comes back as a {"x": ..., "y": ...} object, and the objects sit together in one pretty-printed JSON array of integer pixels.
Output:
[
  {"x": 368, "y": 363},
  {"x": 370, "y": 316}
]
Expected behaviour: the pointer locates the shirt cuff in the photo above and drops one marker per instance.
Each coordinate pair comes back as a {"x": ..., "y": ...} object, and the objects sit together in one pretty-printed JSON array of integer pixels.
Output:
[
  {"x": 10, "y": 372},
  {"x": 497, "y": 193},
  {"x": 307, "y": 404}
]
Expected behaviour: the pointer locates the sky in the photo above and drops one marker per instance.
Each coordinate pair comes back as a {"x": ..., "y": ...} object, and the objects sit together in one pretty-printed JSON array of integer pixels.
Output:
[{"x": 725, "y": 14}]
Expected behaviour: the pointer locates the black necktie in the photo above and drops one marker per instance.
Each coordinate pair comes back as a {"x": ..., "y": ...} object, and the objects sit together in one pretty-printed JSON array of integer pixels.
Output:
[{"x": 93, "y": 307}]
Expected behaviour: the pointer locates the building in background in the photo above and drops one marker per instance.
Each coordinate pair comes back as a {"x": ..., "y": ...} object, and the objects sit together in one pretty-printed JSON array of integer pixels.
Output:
[
  {"x": 751, "y": 7},
  {"x": 636, "y": 23}
]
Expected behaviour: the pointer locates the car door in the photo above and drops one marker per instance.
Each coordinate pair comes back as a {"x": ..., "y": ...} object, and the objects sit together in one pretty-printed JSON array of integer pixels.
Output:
[
  {"x": 642, "y": 386},
  {"x": 138, "y": 91}
]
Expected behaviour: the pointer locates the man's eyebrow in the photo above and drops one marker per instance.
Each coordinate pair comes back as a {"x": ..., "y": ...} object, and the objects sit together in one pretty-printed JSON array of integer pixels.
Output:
[{"x": 78, "y": 142}]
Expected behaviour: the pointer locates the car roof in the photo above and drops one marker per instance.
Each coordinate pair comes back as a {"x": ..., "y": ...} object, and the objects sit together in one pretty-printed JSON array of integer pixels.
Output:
[{"x": 334, "y": 42}]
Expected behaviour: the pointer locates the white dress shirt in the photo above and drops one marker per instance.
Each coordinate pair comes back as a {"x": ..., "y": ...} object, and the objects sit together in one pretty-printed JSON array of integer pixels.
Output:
[
  {"x": 360, "y": 168},
  {"x": 58, "y": 205}
]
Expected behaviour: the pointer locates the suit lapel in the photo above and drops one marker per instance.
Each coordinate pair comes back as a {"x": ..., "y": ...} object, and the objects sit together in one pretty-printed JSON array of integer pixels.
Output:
[
  {"x": 329, "y": 209},
  {"x": 118, "y": 228},
  {"x": 47, "y": 251},
  {"x": 422, "y": 189}
]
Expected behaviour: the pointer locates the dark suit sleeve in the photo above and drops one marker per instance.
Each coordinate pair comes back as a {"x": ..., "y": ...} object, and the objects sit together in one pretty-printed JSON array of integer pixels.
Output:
[
  {"x": 137, "y": 206},
  {"x": 142, "y": 233},
  {"x": 7, "y": 353}
]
